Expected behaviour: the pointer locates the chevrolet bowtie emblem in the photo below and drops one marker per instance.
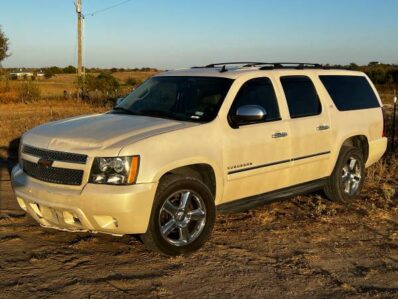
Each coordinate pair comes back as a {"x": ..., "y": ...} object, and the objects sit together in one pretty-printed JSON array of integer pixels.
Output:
[{"x": 45, "y": 162}]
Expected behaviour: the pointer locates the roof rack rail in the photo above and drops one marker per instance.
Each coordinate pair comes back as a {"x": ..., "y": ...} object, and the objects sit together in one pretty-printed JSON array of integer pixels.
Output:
[
  {"x": 268, "y": 65},
  {"x": 289, "y": 65},
  {"x": 223, "y": 65},
  {"x": 244, "y": 63}
]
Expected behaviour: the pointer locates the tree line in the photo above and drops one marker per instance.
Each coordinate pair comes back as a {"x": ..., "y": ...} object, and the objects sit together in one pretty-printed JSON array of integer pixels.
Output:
[{"x": 383, "y": 74}]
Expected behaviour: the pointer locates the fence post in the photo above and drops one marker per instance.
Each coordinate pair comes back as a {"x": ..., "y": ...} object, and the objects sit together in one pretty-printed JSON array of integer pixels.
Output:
[{"x": 393, "y": 122}]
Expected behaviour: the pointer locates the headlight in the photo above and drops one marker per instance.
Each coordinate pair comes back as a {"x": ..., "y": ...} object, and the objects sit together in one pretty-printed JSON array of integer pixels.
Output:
[{"x": 115, "y": 171}]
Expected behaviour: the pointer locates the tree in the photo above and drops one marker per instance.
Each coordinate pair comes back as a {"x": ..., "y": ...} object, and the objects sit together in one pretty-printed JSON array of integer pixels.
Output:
[
  {"x": 69, "y": 70},
  {"x": 55, "y": 70},
  {"x": 353, "y": 66},
  {"x": 3, "y": 46}
]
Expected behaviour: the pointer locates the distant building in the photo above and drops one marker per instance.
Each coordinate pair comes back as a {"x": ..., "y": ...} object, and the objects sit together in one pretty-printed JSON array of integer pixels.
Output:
[
  {"x": 374, "y": 63},
  {"x": 22, "y": 74}
]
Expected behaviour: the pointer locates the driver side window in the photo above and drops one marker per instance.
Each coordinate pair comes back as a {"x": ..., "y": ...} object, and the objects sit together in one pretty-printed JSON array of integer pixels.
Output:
[{"x": 260, "y": 92}]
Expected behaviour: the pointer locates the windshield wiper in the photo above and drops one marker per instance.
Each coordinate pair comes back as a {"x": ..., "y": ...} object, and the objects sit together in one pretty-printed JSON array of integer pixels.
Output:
[
  {"x": 127, "y": 111},
  {"x": 162, "y": 114}
]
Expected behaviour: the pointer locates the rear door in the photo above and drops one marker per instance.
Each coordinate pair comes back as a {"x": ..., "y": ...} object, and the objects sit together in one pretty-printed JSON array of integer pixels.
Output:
[{"x": 310, "y": 129}]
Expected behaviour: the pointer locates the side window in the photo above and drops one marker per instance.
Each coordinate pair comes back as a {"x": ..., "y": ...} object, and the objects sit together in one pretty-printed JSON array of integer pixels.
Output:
[
  {"x": 258, "y": 91},
  {"x": 350, "y": 92},
  {"x": 301, "y": 96}
]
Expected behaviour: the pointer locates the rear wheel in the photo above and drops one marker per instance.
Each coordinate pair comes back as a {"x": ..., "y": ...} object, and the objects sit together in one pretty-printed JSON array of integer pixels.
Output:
[
  {"x": 183, "y": 216},
  {"x": 348, "y": 175}
]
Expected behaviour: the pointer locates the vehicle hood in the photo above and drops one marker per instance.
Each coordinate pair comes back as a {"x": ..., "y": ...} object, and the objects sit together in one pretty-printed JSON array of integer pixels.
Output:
[{"x": 103, "y": 134}]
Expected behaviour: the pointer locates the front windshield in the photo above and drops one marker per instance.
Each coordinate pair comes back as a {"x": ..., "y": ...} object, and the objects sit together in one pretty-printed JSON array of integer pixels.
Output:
[{"x": 195, "y": 99}]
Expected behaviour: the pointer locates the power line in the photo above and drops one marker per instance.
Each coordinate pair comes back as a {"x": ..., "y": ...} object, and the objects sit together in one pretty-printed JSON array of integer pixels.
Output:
[{"x": 107, "y": 8}]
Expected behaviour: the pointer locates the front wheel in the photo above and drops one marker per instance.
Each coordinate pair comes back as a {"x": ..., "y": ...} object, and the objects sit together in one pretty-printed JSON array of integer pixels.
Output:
[
  {"x": 348, "y": 175},
  {"x": 183, "y": 216}
]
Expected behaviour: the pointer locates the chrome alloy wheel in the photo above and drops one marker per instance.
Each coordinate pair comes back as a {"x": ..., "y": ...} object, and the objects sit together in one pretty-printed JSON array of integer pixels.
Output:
[
  {"x": 351, "y": 176},
  {"x": 182, "y": 218}
]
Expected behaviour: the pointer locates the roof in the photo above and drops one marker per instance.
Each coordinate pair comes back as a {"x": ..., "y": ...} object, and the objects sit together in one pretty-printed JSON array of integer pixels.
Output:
[{"x": 235, "y": 70}]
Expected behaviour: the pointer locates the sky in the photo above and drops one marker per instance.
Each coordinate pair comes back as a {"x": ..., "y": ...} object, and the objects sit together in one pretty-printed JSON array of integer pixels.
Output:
[{"x": 169, "y": 34}]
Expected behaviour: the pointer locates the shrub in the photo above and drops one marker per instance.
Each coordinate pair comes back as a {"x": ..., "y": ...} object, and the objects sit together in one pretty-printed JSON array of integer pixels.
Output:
[
  {"x": 48, "y": 73},
  {"x": 104, "y": 82},
  {"x": 132, "y": 81},
  {"x": 100, "y": 88},
  {"x": 29, "y": 92}
]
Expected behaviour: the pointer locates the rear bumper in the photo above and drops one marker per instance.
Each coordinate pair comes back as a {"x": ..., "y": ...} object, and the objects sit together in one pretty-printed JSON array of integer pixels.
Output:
[
  {"x": 98, "y": 208},
  {"x": 377, "y": 148}
]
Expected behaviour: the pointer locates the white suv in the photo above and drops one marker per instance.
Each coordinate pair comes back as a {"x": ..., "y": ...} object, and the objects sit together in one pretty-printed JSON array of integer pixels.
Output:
[{"x": 186, "y": 143}]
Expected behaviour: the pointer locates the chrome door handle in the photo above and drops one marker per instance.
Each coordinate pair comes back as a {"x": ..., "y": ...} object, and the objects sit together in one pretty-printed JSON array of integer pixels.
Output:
[
  {"x": 279, "y": 135},
  {"x": 323, "y": 127}
]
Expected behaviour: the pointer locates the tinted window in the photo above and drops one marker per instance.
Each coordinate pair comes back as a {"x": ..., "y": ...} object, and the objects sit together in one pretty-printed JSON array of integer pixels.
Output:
[
  {"x": 195, "y": 99},
  {"x": 301, "y": 96},
  {"x": 350, "y": 92},
  {"x": 259, "y": 92}
]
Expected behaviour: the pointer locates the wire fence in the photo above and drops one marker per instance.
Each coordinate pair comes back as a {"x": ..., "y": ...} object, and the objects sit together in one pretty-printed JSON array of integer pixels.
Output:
[{"x": 391, "y": 127}]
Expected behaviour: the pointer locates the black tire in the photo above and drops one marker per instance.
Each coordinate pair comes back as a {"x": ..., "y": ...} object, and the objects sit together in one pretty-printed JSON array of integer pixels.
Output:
[
  {"x": 168, "y": 187},
  {"x": 336, "y": 186}
]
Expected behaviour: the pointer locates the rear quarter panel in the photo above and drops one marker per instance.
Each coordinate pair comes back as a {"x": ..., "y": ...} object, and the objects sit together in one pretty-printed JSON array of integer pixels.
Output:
[{"x": 346, "y": 124}]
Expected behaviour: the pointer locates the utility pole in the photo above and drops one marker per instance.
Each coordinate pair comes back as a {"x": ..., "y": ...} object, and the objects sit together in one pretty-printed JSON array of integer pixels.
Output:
[{"x": 80, "y": 18}]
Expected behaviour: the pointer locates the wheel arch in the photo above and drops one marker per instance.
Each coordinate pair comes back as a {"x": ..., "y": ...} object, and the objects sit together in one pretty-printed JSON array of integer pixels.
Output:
[
  {"x": 206, "y": 172},
  {"x": 359, "y": 140}
]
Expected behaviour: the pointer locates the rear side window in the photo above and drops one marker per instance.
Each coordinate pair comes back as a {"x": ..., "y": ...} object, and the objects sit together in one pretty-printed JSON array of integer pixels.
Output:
[
  {"x": 258, "y": 91},
  {"x": 301, "y": 96},
  {"x": 350, "y": 92}
]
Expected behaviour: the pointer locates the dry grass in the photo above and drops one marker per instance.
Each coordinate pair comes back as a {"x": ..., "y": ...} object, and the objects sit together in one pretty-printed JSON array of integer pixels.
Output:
[
  {"x": 55, "y": 86},
  {"x": 382, "y": 182},
  {"x": 15, "y": 119},
  {"x": 141, "y": 76}
]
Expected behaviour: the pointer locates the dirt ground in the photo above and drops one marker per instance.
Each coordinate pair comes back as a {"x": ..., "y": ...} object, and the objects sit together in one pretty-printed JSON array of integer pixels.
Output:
[{"x": 305, "y": 247}]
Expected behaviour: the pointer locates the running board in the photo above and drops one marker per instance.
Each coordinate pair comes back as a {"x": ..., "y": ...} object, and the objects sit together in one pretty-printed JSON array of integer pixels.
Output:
[{"x": 252, "y": 202}]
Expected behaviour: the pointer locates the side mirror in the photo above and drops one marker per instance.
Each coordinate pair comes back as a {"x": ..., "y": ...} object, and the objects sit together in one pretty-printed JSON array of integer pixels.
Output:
[
  {"x": 118, "y": 101},
  {"x": 249, "y": 114}
]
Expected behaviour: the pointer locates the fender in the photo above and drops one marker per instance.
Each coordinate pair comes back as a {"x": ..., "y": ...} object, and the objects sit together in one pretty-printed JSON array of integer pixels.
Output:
[{"x": 192, "y": 161}]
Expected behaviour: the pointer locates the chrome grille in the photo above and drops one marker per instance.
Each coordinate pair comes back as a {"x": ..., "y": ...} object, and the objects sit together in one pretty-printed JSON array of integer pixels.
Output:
[
  {"x": 54, "y": 155},
  {"x": 64, "y": 176}
]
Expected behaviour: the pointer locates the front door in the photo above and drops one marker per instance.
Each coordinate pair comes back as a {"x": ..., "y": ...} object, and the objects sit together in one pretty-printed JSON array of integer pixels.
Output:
[{"x": 256, "y": 156}]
